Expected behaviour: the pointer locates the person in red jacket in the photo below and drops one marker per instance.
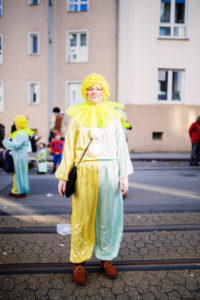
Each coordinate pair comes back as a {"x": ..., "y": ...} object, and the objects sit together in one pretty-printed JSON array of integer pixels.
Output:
[
  {"x": 56, "y": 146},
  {"x": 194, "y": 133}
]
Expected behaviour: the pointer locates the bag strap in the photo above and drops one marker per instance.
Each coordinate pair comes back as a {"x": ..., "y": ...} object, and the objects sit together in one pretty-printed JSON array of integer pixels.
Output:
[{"x": 84, "y": 151}]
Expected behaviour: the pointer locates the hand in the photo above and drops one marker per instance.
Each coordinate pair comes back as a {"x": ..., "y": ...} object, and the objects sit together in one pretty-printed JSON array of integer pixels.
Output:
[
  {"x": 124, "y": 185},
  {"x": 61, "y": 187}
]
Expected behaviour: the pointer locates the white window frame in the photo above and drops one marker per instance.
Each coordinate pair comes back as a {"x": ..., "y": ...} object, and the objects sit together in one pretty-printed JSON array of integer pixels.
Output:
[
  {"x": 2, "y": 95},
  {"x": 30, "y": 48},
  {"x": 30, "y": 2},
  {"x": 29, "y": 93},
  {"x": 67, "y": 91},
  {"x": 79, "y": 6},
  {"x": 1, "y": 7},
  {"x": 1, "y": 50},
  {"x": 68, "y": 48},
  {"x": 169, "y": 87},
  {"x": 172, "y": 24}
]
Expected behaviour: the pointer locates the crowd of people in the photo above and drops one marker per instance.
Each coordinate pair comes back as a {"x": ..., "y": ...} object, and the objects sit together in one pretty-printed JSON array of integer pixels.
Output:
[{"x": 22, "y": 140}]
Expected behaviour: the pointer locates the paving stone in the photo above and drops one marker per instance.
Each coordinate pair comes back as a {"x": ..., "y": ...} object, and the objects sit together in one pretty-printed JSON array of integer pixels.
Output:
[
  {"x": 158, "y": 293},
  {"x": 148, "y": 296},
  {"x": 54, "y": 294},
  {"x": 122, "y": 297},
  {"x": 192, "y": 285},
  {"x": 167, "y": 285},
  {"x": 132, "y": 293},
  {"x": 118, "y": 286},
  {"x": 106, "y": 293},
  {"x": 174, "y": 296}
]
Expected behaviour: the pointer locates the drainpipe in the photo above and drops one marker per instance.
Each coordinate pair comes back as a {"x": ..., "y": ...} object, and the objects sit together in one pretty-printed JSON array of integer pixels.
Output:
[
  {"x": 50, "y": 64},
  {"x": 116, "y": 50}
]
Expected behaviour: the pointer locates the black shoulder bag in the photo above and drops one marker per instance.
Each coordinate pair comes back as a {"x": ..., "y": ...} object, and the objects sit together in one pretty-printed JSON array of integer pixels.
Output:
[{"x": 70, "y": 186}]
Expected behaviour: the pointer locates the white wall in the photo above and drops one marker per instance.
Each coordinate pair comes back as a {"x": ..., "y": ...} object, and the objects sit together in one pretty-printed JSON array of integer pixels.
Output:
[{"x": 141, "y": 52}]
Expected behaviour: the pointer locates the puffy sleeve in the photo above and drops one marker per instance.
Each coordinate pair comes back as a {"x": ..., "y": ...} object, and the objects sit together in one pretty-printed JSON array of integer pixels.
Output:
[
  {"x": 16, "y": 143},
  {"x": 123, "y": 157},
  {"x": 69, "y": 152}
]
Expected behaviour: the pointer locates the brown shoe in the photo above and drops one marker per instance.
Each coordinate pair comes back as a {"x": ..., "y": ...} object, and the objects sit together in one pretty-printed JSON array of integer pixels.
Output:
[
  {"x": 79, "y": 275},
  {"x": 109, "y": 268},
  {"x": 20, "y": 195}
]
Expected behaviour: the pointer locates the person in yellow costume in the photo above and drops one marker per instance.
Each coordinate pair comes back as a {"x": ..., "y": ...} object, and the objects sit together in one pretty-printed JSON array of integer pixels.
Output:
[
  {"x": 19, "y": 150},
  {"x": 102, "y": 178}
]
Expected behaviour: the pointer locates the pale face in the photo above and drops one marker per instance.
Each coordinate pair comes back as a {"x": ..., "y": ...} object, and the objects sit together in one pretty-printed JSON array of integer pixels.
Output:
[{"x": 95, "y": 94}]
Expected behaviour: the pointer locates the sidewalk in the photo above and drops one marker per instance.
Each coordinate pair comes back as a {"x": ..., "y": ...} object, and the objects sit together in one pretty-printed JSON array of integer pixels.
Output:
[{"x": 166, "y": 156}]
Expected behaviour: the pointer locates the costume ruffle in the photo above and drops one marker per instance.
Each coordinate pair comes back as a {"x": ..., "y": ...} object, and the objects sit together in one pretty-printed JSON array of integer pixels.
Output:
[{"x": 88, "y": 115}]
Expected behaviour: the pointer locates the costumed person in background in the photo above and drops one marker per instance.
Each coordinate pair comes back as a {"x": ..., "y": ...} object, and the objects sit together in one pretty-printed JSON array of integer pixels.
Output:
[
  {"x": 194, "y": 133},
  {"x": 58, "y": 123},
  {"x": 125, "y": 124},
  {"x": 31, "y": 135},
  {"x": 19, "y": 150},
  {"x": 56, "y": 146},
  {"x": 102, "y": 177},
  {"x": 41, "y": 159}
]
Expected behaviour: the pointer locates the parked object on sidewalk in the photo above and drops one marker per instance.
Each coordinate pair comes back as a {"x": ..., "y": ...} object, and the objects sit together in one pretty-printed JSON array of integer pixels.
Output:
[
  {"x": 102, "y": 177},
  {"x": 41, "y": 159},
  {"x": 194, "y": 133},
  {"x": 64, "y": 229},
  {"x": 19, "y": 146}
]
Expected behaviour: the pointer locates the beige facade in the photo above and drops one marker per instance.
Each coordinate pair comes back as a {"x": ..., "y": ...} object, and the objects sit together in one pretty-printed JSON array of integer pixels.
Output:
[
  {"x": 99, "y": 25},
  {"x": 50, "y": 69},
  {"x": 19, "y": 68},
  {"x": 122, "y": 40},
  {"x": 143, "y": 53}
]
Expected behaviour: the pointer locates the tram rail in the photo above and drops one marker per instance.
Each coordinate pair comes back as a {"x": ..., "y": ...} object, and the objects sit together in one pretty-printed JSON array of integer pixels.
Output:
[
  {"x": 122, "y": 266},
  {"x": 129, "y": 228}
]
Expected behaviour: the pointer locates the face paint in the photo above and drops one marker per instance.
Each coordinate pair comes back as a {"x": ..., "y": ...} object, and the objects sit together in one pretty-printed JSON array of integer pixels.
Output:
[{"x": 95, "y": 94}]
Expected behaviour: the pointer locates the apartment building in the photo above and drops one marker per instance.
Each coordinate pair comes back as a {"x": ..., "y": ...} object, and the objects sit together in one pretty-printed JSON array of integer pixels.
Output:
[
  {"x": 158, "y": 71},
  {"x": 23, "y": 63},
  {"x": 46, "y": 49},
  {"x": 147, "y": 49}
]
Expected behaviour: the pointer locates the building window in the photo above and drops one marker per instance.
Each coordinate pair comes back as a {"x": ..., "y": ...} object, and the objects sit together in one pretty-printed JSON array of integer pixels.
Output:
[
  {"x": 34, "y": 2},
  {"x": 73, "y": 93},
  {"x": 170, "y": 86},
  {"x": 173, "y": 19},
  {"x": 77, "y": 5},
  {"x": 1, "y": 96},
  {"x": 1, "y": 48},
  {"x": 34, "y": 43},
  {"x": 157, "y": 135},
  {"x": 77, "y": 47},
  {"x": 1, "y": 9},
  {"x": 34, "y": 93}
]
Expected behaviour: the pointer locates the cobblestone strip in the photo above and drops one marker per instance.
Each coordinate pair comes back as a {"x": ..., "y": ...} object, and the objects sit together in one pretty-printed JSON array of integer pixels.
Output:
[
  {"x": 162, "y": 285},
  {"x": 43, "y": 248},
  {"x": 129, "y": 219}
]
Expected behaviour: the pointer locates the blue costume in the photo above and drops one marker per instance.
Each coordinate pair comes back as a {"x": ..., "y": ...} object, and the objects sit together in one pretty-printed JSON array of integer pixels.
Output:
[{"x": 19, "y": 146}]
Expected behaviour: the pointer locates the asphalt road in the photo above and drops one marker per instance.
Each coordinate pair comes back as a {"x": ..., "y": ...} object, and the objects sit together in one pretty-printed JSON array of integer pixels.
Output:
[{"x": 154, "y": 187}]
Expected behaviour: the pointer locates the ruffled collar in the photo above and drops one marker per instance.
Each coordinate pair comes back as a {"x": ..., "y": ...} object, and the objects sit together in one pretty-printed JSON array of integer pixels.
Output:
[{"x": 88, "y": 115}]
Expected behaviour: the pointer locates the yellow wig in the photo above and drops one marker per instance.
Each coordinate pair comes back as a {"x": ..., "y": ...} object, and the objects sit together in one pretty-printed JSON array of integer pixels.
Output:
[
  {"x": 94, "y": 79},
  {"x": 21, "y": 122}
]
